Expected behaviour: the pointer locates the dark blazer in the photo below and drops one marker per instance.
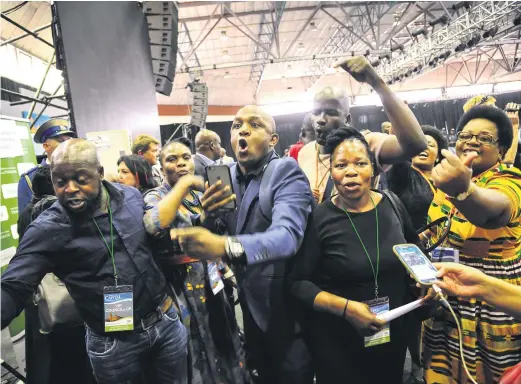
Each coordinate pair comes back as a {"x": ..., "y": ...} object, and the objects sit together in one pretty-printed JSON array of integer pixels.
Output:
[
  {"x": 200, "y": 166},
  {"x": 269, "y": 242}
]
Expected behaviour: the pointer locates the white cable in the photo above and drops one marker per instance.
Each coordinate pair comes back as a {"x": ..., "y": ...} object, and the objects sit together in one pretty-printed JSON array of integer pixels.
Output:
[{"x": 446, "y": 304}]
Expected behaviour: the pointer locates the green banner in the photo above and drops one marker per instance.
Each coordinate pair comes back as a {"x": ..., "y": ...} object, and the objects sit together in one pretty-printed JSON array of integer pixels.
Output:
[{"x": 16, "y": 157}]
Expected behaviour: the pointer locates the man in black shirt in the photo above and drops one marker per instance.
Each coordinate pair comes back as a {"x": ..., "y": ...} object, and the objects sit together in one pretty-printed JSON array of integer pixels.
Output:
[{"x": 94, "y": 240}]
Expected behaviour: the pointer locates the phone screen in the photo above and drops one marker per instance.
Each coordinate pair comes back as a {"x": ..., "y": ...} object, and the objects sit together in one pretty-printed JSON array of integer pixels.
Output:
[
  {"x": 221, "y": 173},
  {"x": 416, "y": 262}
]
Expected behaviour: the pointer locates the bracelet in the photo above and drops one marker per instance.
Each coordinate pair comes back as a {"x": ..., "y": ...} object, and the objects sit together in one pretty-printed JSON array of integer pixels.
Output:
[
  {"x": 229, "y": 274},
  {"x": 345, "y": 308}
]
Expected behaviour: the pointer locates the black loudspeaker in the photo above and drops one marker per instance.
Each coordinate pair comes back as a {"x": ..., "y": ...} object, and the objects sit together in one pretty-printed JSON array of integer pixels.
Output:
[
  {"x": 199, "y": 103},
  {"x": 162, "y": 19}
]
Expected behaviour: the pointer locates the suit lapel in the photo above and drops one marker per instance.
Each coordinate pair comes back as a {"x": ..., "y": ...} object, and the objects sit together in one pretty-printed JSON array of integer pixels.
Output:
[{"x": 245, "y": 204}]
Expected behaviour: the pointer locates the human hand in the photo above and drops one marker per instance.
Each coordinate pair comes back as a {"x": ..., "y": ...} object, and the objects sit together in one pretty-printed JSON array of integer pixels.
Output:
[
  {"x": 360, "y": 68},
  {"x": 192, "y": 182},
  {"x": 215, "y": 197},
  {"x": 360, "y": 316},
  {"x": 460, "y": 280},
  {"x": 453, "y": 175},
  {"x": 513, "y": 116},
  {"x": 199, "y": 243},
  {"x": 432, "y": 297}
]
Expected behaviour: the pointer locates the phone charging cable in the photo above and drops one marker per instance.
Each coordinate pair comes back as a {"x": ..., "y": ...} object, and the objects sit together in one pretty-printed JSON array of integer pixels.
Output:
[{"x": 446, "y": 304}]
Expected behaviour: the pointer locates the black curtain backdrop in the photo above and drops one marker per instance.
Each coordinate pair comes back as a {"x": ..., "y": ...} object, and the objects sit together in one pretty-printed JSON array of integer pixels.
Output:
[{"x": 440, "y": 114}]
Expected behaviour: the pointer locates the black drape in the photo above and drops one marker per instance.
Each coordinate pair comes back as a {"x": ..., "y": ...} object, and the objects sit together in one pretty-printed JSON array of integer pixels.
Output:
[{"x": 441, "y": 114}]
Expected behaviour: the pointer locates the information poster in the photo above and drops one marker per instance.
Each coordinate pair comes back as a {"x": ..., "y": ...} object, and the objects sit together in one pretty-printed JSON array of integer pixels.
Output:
[{"x": 16, "y": 157}]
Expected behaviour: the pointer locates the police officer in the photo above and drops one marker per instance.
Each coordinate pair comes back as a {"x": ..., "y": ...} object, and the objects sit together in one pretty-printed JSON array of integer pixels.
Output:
[{"x": 50, "y": 134}]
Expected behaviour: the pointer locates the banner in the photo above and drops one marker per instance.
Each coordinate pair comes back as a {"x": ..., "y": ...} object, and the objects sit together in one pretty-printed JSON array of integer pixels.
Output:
[{"x": 16, "y": 157}]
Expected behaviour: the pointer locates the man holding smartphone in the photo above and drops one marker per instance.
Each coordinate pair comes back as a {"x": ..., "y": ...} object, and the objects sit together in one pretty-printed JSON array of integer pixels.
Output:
[{"x": 274, "y": 200}]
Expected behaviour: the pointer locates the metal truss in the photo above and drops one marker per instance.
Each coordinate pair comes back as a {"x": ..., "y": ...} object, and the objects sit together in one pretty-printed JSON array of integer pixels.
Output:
[
  {"x": 481, "y": 17},
  {"x": 183, "y": 39},
  {"x": 349, "y": 33},
  {"x": 268, "y": 34}
]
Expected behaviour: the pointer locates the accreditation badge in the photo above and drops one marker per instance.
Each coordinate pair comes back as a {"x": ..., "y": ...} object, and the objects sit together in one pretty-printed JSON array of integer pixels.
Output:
[
  {"x": 378, "y": 306},
  {"x": 445, "y": 254},
  {"x": 215, "y": 277},
  {"x": 118, "y": 308}
]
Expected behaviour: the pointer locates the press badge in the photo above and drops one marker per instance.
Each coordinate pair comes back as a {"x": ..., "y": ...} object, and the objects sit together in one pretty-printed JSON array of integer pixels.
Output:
[
  {"x": 118, "y": 308},
  {"x": 378, "y": 306},
  {"x": 445, "y": 254},
  {"x": 215, "y": 277}
]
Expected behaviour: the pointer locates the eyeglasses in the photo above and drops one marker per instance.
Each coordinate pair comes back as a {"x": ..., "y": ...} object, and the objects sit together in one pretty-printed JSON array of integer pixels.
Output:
[{"x": 481, "y": 138}]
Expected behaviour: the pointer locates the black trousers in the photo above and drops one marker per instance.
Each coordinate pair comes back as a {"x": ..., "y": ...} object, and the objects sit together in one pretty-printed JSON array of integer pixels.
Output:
[{"x": 278, "y": 357}]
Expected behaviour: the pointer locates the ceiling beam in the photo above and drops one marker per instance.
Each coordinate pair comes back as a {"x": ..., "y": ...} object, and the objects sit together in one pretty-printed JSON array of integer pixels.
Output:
[{"x": 310, "y": 17}]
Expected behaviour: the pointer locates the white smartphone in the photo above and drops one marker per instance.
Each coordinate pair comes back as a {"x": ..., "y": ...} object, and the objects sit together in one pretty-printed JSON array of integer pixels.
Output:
[
  {"x": 416, "y": 263},
  {"x": 222, "y": 173}
]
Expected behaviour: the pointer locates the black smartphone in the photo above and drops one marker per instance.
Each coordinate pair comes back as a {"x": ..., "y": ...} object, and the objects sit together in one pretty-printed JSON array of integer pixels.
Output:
[{"x": 215, "y": 173}]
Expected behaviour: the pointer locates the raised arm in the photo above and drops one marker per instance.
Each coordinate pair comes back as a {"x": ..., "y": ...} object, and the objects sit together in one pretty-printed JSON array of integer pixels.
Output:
[{"x": 409, "y": 139}]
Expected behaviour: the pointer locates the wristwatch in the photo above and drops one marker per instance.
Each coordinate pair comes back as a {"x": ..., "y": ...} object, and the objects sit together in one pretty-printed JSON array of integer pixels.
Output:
[
  {"x": 463, "y": 195},
  {"x": 234, "y": 250}
]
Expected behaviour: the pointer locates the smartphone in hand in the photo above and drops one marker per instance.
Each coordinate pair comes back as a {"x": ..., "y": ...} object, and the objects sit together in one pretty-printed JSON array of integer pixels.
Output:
[{"x": 215, "y": 173}]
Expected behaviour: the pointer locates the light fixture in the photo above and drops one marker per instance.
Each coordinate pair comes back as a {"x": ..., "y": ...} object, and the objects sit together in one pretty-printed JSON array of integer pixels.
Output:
[
  {"x": 375, "y": 64},
  {"x": 366, "y": 54},
  {"x": 461, "y": 47},
  {"x": 433, "y": 62},
  {"x": 421, "y": 31},
  {"x": 224, "y": 35},
  {"x": 444, "y": 56},
  {"x": 517, "y": 20},
  {"x": 312, "y": 26},
  {"x": 225, "y": 54},
  {"x": 300, "y": 46},
  {"x": 397, "y": 47},
  {"x": 396, "y": 20},
  {"x": 491, "y": 32},
  {"x": 461, "y": 4},
  {"x": 444, "y": 20},
  {"x": 472, "y": 42},
  {"x": 385, "y": 56}
]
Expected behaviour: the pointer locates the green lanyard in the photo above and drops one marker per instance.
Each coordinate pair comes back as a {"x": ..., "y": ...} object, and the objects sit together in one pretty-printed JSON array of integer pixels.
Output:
[
  {"x": 375, "y": 273},
  {"x": 111, "y": 248}
]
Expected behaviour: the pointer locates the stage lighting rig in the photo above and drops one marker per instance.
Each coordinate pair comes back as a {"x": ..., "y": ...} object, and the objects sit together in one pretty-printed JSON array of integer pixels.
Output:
[
  {"x": 375, "y": 64},
  {"x": 461, "y": 47},
  {"x": 472, "y": 42},
  {"x": 517, "y": 20},
  {"x": 433, "y": 62},
  {"x": 444, "y": 56}
]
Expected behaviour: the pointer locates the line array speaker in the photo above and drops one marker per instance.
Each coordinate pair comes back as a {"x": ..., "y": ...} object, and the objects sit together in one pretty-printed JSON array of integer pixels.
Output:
[
  {"x": 199, "y": 103},
  {"x": 162, "y": 18}
]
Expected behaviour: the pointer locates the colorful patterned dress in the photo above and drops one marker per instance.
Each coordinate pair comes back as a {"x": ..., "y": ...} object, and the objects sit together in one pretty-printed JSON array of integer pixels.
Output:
[{"x": 491, "y": 339}]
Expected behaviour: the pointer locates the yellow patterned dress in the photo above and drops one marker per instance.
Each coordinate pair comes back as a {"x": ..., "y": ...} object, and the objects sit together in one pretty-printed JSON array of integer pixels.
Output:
[{"x": 491, "y": 339}]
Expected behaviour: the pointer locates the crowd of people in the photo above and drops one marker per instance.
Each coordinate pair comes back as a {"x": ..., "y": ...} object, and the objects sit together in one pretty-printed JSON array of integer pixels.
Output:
[{"x": 309, "y": 250}]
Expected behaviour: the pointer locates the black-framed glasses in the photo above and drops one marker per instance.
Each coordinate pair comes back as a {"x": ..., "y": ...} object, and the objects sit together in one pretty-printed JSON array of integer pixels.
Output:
[{"x": 482, "y": 138}]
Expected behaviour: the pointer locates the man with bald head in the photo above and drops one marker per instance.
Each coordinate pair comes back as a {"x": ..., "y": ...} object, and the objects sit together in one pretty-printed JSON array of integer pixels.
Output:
[
  {"x": 208, "y": 150},
  {"x": 266, "y": 231},
  {"x": 331, "y": 111},
  {"x": 93, "y": 239}
]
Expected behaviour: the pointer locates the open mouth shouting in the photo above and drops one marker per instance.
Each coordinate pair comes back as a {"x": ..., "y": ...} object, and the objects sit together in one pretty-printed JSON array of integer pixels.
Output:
[
  {"x": 76, "y": 204},
  {"x": 243, "y": 147},
  {"x": 424, "y": 155},
  {"x": 351, "y": 186}
]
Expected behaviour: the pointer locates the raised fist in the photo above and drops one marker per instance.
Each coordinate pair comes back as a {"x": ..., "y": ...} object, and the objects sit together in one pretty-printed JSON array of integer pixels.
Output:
[{"x": 360, "y": 68}]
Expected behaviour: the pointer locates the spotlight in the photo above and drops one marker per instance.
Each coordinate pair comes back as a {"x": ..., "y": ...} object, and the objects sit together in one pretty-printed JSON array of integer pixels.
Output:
[
  {"x": 397, "y": 47},
  {"x": 472, "y": 42},
  {"x": 444, "y": 56},
  {"x": 313, "y": 26},
  {"x": 386, "y": 56},
  {"x": 418, "y": 68},
  {"x": 433, "y": 62},
  {"x": 517, "y": 20},
  {"x": 375, "y": 64},
  {"x": 366, "y": 54},
  {"x": 389, "y": 82},
  {"x": 461, "y": 4},
  {"x": 491, "y": 32},
  {"x": 461, "y": 47},
  {"x": 224, "y": 36},
  {"x": 440, "y": 20},
  {"x": 421, "y": 31}
]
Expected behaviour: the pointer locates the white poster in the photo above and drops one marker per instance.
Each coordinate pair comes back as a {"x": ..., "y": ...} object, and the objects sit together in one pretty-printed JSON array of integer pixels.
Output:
[{"x": 10, "y": 141}]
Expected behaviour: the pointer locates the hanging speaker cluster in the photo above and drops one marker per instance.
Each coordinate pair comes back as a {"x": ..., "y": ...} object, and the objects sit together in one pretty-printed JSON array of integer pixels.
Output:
[
  {"x": 199, "y": 103},
  {"x": 162, "y": 18}
]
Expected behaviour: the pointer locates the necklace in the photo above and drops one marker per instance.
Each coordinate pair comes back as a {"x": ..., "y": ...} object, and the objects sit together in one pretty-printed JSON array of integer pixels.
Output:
[{"x": 193, "y": 206}]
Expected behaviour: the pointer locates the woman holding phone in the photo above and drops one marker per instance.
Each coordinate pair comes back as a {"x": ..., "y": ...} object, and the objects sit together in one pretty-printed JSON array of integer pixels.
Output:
[
  {"x": 346, "y": 269},
  {"x": 215, "y": 351}
]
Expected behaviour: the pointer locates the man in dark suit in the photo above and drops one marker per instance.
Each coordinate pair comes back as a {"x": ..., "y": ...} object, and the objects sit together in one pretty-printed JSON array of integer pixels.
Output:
[
  {"x": 208, "y": 150},
  {"x": 274, "y": 200}
]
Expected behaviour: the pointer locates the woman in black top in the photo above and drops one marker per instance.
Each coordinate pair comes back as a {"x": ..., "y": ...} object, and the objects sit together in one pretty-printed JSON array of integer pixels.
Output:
[
  {"x": 411, "y": 181},
  {"x": 345, "y": 258}
]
